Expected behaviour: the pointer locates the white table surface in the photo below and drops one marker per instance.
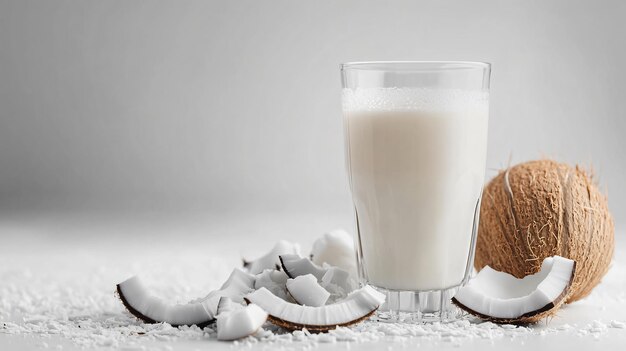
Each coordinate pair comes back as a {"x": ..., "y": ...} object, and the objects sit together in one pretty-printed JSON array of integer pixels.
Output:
[{"x": 184, "y": 256}]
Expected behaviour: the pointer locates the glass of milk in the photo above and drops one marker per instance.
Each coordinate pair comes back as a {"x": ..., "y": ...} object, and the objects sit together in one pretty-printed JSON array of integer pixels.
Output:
[{"x": 416, "y": 144}]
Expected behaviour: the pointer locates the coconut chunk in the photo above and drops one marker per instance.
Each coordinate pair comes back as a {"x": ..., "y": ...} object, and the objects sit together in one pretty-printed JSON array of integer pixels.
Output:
[
  {"x": 339, "y": 277},
  {"x": 238, "y": 284},
  {"x": 295, "y": 266},
  {"x": 338, "y": 283},
  {"x": 235, "y": 321},
  {"x": 335, "y": 280},
  {"x": 151, "y": 309},
  {"x": 500, "y": 297},
  {"x": 274, "y": 281},
  {"x": 358, "y": 306},
  {"x": 227, "y": 304},
  {"x": 335, "y": 248},
  {"x": 305, "y": 290},
  {"x": 270, "y": 260}
]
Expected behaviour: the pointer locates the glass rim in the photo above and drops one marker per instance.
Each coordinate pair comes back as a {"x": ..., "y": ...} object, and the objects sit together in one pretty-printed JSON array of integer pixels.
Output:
[{"x": 415, "y": 66}]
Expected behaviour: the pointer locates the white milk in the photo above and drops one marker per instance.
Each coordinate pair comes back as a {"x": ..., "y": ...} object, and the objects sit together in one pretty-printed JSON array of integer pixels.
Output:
[{"x": 416, "y": 161}]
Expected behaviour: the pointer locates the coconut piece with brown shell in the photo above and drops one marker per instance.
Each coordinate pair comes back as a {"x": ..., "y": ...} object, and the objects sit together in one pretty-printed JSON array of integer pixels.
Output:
[
  {"x": 151, "y": 309},
  {"x": 358, "y": 306},
  {"x": 500, "y": 297},
  {"x": 543, "y": 208},
  {"x": 295, "y": 266}
]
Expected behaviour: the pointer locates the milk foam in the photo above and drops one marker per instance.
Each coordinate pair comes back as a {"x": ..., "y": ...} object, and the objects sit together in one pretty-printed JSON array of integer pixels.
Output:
[{"x": 413, "y": 99}]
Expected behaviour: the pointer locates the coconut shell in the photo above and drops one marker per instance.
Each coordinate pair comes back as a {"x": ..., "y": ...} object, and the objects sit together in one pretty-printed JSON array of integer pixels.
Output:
[
  {"x": 315, "y": 328},
  {"x": 530, "y": 317},
  {"x": 543, "y": 208},
  {"x": 146, "y": 319}
]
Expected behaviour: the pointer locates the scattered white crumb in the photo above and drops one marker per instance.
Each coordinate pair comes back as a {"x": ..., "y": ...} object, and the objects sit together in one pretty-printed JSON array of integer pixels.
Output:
[{"x": 81, "y": 307}]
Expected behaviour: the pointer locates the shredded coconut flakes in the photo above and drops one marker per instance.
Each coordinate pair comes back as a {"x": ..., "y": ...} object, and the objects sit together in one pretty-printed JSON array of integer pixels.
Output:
[{"x": 87, "y": 312}]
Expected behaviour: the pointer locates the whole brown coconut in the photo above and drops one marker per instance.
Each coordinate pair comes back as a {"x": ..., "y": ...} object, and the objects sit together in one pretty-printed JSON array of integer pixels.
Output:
[{"x": 544, "y": 208}]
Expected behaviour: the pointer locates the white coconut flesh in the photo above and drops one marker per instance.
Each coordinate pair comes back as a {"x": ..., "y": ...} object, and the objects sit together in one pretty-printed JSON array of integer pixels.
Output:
[
  {"x": 151, "y": 309},
  {"x": 335, "y": 248},
  {"x": 274, "y": 281},
  {"x": 270, "y": 260},
  {"x": 359, "y": 305},
  {"x": 305, "y": 290},
  {"x": 498, "y": 295},
  {"x": 295, "y": 266},
  {"x": 238, "y": 284},
  {"x": 226, "y": 304},
  {"x": 235, "y": 321},
  {"x": 339, "y": 277}
]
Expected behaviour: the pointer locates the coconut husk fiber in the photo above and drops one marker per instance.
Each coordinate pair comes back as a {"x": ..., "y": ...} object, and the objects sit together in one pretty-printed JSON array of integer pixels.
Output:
[{"x": 543, "y": 208}]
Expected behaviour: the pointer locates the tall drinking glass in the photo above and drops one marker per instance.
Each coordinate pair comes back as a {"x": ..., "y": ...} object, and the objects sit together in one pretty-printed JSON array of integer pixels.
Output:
[{"x": 416, "y": 144}]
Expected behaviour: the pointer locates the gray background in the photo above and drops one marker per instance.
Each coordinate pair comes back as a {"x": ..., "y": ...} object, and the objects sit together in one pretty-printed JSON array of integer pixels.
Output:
[{"x": 233, "y": 106}]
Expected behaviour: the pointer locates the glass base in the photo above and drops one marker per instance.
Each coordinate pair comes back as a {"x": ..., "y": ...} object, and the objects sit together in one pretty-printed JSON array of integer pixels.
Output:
[{"x": 419, "y": 306}]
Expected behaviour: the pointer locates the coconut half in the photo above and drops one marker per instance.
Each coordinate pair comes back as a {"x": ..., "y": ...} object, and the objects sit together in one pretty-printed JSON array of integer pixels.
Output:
[
  {"x": 305, "y": 290},
  {"x": 270, "y": 260},
  {"x": 151, "y": 309},
  {"x": 502, "y": 298},
  {"x": 358, "y": 306},
  {"x": 235, "y": 321}
]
